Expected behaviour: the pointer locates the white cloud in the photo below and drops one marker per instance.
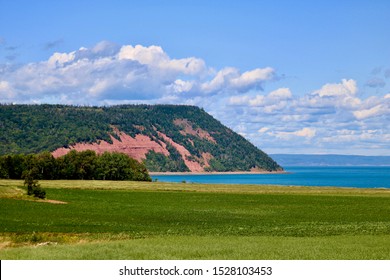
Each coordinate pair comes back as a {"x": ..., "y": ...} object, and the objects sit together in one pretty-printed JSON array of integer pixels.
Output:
[
  {"x": 372, "y": 112},
  {"x": 59, "y": 59},
  {"x": 239, "y": 100},
  {"x": 155, "y": 57},
  {"x": 6, "y": 92},
  {"x": 339, "y": 95},
  {"x": 179, "y": 86},
  {"x": 98, "y": 87},
  {"x": 4, "y": 86},
  {"x": 221, "y": 80},
  {"x": 346, "y": 87},
  {"x": 252, "y": 78},
  {"x": 229, "y": 79},
  {"x": 305, "y": 132},
  {"x": 152, "y": 55},
  {"x": 274, "y": 101},
  {"x": 334, "y": 119},
  {"x": 259, "y": 100},
  {"x": 263, "y": 129},
  {"x": 110, "y": 72},
  {"x": 281, "y": 94}
]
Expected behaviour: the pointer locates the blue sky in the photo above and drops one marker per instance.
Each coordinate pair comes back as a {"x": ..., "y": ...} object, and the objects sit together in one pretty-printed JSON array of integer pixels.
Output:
[{"x": 291, "y": 76}]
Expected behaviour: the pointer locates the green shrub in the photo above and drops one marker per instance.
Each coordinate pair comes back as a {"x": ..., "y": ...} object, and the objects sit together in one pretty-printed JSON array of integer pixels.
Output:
[{"x": 33, "y": 187}]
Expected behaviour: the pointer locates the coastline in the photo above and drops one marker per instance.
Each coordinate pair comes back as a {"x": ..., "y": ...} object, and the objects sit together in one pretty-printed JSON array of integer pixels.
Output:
[{"x": 218, "y": 173}]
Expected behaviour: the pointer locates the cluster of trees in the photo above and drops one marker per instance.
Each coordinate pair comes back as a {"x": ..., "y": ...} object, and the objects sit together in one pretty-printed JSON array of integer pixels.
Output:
[{"x": 86, "y": 165}]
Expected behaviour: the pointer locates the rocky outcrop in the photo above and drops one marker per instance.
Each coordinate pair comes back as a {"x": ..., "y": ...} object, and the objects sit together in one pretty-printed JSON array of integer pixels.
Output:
[
  {"x": 188, "y": 128},
  {"x": 138, "y": 147},
  {"x": 193, "y": 166}
]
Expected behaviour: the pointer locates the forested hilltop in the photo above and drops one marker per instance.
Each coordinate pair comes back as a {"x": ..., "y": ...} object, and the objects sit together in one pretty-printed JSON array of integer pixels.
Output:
[{"x": 164, "y": 137}]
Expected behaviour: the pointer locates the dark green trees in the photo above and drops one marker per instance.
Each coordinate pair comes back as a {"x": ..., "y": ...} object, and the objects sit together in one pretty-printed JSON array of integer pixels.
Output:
[
  {"x": 78, "y": 165},
  {"x": 86, "y": 165},
  {"x": 117, "y": 166}
]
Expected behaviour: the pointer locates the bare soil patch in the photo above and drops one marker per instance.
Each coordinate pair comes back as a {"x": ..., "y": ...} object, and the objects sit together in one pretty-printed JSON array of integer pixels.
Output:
[{"x": 51, "y": 201}]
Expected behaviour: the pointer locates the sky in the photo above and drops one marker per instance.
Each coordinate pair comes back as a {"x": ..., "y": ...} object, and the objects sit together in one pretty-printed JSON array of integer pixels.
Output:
[{"x": 309, "y": 77}]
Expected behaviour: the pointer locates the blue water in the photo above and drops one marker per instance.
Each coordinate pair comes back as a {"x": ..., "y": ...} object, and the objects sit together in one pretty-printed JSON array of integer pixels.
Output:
[{"x": 358, "y": 177}]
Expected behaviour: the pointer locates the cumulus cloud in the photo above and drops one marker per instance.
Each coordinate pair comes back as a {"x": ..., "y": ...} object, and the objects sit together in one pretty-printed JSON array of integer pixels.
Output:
[
  {"x": 251, "y": 79},
  {"x": 331, "y": 96},
  {"x": 335, "y": 118},
  {"x": 59, "y": 59},
  {"x": 346, "y": 87},
  {"x": 108, "y": 73},
  {"x": 230, "y": 79},
  {"x": 305, "y": 132},
  {"x": 275, "y": 98},
  {"x": 371, "y": 112},
  {"x": 156, "y": 58}
]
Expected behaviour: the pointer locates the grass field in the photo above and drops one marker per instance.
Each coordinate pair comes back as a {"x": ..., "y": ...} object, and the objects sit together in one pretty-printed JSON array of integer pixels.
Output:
[{"x": 138, "y": 220}]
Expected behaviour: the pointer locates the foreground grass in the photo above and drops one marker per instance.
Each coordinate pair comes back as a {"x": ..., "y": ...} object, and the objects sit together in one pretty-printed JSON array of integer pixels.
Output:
[
  {"x": 209, "y": 247},
  {"x": 136, "y": 220}
]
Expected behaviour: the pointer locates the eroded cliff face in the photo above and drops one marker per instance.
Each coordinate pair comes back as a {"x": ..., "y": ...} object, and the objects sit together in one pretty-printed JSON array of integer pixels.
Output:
[
  {"x": 186, "y": 127},
  {"x": 137, "y": 147}
]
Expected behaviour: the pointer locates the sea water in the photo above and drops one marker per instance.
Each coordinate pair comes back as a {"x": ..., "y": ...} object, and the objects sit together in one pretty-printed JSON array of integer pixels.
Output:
[{"x": 350, "y": 176}]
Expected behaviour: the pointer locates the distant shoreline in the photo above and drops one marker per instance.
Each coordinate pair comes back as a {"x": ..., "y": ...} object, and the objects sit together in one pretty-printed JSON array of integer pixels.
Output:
[{"x": 218, "y": 173}]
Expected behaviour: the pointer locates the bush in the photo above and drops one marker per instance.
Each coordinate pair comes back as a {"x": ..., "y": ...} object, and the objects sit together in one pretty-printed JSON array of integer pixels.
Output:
[{"x": 33, "y": 187}]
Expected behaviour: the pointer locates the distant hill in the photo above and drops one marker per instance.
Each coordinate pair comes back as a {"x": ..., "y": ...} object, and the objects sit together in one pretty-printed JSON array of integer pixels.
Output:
[
  {"x": 330, "y": 160},
  {"x": 164, "y": 137}
]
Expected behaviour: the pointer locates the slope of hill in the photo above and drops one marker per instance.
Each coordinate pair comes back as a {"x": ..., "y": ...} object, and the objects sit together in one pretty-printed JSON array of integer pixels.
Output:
[
  {"x": 331, "y": 160},
  {"x": 164, "y": 137}
]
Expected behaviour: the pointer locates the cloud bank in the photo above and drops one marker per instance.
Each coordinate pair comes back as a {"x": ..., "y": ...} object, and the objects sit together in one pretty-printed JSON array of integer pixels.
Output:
[
  {"x": 108, "y": 74},
  {"x": 332, "y": 118}
]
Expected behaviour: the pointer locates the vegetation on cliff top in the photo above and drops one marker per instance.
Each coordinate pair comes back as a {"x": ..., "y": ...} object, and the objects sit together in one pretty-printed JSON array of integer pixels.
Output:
[{"x": 37, "y": 128}]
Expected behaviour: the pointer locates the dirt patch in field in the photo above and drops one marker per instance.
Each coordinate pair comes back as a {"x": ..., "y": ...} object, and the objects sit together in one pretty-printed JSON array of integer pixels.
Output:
[
  {"x": 52, "y": 201},
  {"x": 5, "y": 244}
]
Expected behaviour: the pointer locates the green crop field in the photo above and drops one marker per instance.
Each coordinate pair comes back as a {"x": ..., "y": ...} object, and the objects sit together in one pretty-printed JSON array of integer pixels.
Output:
[{"x": 152, "y": 220}]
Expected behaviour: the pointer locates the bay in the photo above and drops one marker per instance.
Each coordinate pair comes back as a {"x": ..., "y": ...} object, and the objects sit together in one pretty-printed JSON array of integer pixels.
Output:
[{"x": 345, "y": 176}]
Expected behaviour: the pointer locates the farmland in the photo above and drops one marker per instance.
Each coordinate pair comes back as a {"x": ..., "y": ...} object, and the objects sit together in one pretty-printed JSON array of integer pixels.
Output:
[{"x": 153, "y": 220}]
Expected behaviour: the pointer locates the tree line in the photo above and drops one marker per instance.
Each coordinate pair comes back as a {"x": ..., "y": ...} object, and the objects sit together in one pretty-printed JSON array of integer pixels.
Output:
[{"x": 85, "y": 165}]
